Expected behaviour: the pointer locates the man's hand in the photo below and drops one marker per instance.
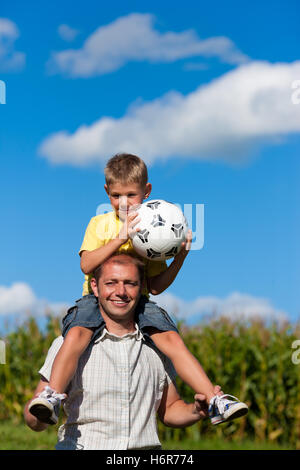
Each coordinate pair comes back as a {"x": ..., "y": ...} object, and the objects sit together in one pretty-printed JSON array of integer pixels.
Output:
[
  {"x": 176, "y": 413},
  {"x": 31, "y": 420},
  {"x": 201, "y": 406}
]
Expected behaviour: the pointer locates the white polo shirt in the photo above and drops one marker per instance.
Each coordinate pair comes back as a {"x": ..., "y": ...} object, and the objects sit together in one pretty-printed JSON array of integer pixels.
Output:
[{"x": 114, "y": 395}]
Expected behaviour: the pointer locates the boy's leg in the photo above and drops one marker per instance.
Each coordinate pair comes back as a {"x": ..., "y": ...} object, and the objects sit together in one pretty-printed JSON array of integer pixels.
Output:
[
  {"x": 66, "y": 360},
  {"x": 221, "y": 407},
  {"x": 155, "y": 321},
  {"x": 186, "y": 365},
  {"x": 46, "y": 406},
  {"x": 81, "y": 325}
]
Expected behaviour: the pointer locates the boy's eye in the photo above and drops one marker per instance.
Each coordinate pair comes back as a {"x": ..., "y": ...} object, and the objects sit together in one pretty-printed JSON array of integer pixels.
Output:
[{"x": 117, "y": 196}]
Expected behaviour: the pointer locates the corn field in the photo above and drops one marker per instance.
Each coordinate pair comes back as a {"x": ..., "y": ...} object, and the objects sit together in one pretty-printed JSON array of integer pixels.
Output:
[{"x": 251, "y": 361}]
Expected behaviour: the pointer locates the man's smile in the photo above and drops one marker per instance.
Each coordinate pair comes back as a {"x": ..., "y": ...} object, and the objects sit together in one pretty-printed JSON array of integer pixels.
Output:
[{"x": 119, "y": 303}]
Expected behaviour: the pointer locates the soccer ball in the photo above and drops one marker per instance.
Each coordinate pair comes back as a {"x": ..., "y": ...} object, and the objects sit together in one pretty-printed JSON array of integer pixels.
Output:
[{"x": 163, "y": 228}]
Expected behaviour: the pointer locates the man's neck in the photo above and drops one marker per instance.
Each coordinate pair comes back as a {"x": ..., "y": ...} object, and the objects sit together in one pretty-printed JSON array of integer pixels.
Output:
[{"x": 119, "y": 329}]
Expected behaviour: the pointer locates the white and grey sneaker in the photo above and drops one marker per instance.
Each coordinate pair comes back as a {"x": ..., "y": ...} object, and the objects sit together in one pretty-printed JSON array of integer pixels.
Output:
[
  {"x": 221, "y": 409},
  {"x": 47, "y": 405}
]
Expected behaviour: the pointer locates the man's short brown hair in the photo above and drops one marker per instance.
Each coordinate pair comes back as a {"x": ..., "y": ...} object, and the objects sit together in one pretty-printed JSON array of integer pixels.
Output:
[
  {"x": 118, "y": 258},
  {"x": 126, "y": 168}
]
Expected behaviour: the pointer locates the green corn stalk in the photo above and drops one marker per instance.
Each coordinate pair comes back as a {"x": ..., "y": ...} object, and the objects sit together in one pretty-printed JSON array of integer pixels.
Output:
[{"x": 251, "y": 360}]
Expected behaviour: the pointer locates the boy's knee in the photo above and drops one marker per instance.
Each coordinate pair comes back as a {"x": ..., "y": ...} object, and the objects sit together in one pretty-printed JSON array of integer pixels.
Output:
[
  {"x": 78, "y": 334},
  {"x": 171, "y": 337},
  {"x": 174, "y": 338}
]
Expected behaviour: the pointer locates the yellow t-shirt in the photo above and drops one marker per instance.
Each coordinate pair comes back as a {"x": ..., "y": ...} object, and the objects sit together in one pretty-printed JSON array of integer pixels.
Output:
[{"x": 103, "y": 228}]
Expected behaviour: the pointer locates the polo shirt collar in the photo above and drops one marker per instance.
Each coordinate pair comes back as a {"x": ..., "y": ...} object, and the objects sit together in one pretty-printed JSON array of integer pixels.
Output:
[{"x": 137, "y": 332}]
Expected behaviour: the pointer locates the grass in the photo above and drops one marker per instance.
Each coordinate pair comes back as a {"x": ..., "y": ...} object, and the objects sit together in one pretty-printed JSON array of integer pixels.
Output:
[
  {"x": 221, "y": 444},
  {"x": 20, "y": 437}
]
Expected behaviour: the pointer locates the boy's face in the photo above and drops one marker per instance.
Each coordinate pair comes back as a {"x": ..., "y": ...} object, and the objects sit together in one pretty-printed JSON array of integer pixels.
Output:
[{"x": 123, "y": 197}]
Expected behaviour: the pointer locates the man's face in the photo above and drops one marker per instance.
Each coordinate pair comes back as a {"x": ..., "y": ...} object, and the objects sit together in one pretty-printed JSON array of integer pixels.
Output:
[
  {"x": 123, "y": 197},
  {"x": 118, "y": 290}
]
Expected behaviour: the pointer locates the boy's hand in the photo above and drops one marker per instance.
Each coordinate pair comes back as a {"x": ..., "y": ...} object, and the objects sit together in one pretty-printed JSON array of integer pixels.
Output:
[
  {"x": 129, "y": 225},
  {"x": 185, "y": 246}
]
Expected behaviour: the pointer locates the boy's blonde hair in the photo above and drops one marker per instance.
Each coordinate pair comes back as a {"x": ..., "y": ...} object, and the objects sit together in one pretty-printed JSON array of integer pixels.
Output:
[{"x": 126, "y": 168}]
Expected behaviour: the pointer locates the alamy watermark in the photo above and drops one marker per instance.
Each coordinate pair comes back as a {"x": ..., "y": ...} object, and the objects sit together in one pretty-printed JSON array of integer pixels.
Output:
[
  {"x": 2, "y": 352},
  {"x": 194, "y": 216},
  {"x": 2, "y": 92},
  {"x": 296, "y": 354},
  {"x": 295, "y": 98}
]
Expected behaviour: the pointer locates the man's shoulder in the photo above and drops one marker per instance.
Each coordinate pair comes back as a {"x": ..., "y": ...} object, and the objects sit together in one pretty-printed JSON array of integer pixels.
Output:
[
  {"x": 56, "y": 343},
  {"x": 152, "y": 350},
  {"x": 159, "y": 361},
  {"x": 45, "y": 370}
]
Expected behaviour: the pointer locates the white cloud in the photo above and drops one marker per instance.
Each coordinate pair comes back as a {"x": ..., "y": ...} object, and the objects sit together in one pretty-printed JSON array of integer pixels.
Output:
[
  {"x": 67, "y": 33},
  {"x": 222, "y": 120},
  {"x": 133, "y": 38},
  {"x": 20, "y": 299},
  {"x": 234, "y": 306},
  {"x": 10, "y": 59},
  {"x": 17, "y": 298}
]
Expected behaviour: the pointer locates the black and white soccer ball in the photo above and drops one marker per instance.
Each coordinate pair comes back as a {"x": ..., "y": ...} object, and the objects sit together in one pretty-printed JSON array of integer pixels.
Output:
[{"x": 163, "y": 228}]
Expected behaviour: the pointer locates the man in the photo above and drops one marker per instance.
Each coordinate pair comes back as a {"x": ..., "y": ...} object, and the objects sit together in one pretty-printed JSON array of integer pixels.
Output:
[{"x": 122, "y": 380}]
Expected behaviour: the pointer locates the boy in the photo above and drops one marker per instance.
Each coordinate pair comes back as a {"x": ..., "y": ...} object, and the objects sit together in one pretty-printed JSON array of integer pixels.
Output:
[{"x": 126, "y": 184}]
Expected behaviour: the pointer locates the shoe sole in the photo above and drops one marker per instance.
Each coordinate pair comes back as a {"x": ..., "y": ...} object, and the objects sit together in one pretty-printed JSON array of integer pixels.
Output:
[
  {"x": 239, "y": 411},
  {"x": 215, "y": 421},
  {"x": 42, "y": 412}
]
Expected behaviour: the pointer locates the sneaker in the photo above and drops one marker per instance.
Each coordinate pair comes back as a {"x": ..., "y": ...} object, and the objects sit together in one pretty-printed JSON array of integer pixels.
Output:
[
  {"x": 47, "y": 405},
  {"x": 221, "y": 409}
]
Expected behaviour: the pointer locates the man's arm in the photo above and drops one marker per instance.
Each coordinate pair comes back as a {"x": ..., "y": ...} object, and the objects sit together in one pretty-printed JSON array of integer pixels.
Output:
[
  {"x": 174, "y": 412},
  {"x": 31, "y": 420},
  {"x": 157, "y": 284}
]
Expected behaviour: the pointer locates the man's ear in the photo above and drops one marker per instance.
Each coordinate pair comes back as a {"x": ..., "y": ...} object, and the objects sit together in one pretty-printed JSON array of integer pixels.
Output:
[
  {"x": 94, "y": 286},
  {"x": 148, "y": 189}
]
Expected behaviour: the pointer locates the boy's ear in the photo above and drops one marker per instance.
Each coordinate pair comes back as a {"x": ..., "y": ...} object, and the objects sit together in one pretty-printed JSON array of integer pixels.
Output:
[
  {"x": 106, "y": 189},
  {"x": 148, "y": 189}
]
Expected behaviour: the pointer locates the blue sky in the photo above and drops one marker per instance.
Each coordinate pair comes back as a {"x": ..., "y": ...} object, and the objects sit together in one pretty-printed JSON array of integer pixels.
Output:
[{"x": 203, "y": 94}]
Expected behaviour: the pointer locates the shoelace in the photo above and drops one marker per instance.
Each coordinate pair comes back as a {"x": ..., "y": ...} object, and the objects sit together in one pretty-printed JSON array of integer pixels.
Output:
[
  {"x": 48, "y": 392},
  {"x": 221, "y": 402}
]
